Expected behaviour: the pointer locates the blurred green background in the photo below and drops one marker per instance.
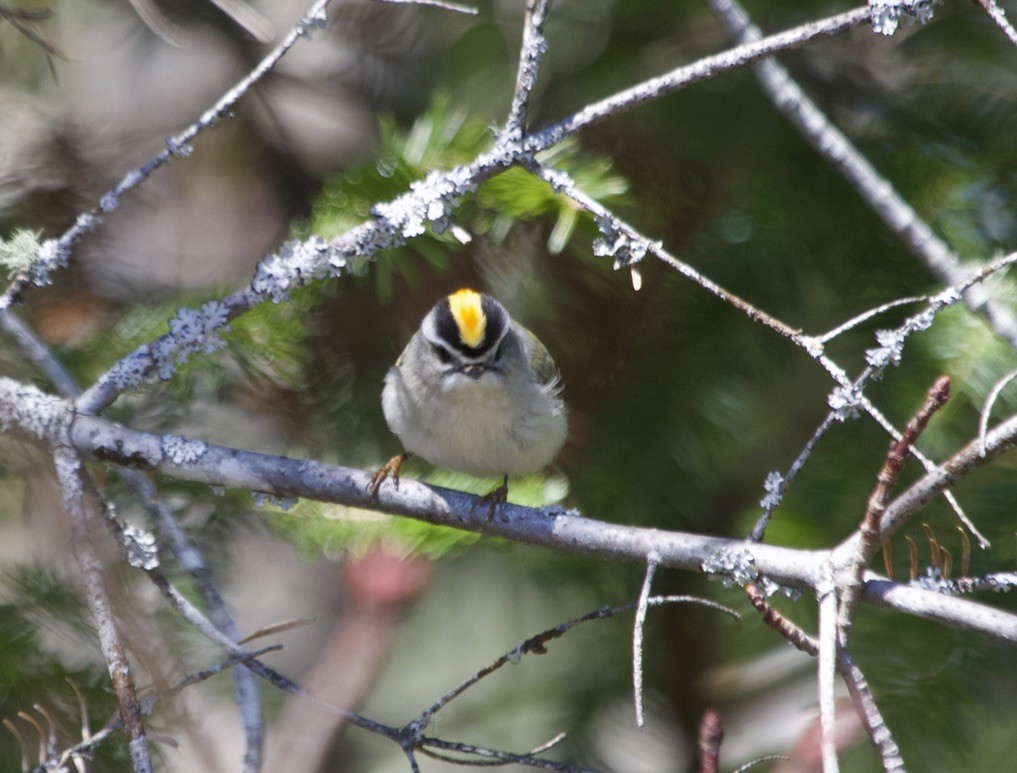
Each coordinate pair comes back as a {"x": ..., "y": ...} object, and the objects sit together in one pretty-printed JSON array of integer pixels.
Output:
[{"x": 679, "y": 405}]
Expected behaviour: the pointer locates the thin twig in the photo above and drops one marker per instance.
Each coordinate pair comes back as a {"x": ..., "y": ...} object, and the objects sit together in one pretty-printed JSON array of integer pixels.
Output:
[
  {"x": 990, "y": 401},
  {"x": 868, "y": 531},
  {"x": 771, "y": 617},
  {"x": 538, "y": 644},
  {"x": 530, "y": 53},
  {"x": 776, "y": 487},
  {"x": 638, "y": 626},
  {"x": 865, "y": 705},
  {"x": 499, "y": 757},
  {"x": 445, "y": 6},
  {"x": 865, "y": 316},
  {"x": 707, "y": 67},
  {"x": 35, "y": 349},
  {"x": 84, "y": 523},
  {"x": 56, "y": 252}
]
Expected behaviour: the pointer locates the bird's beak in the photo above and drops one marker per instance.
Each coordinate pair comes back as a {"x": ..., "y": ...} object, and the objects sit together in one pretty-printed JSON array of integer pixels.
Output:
[{"x": 474, "y": 371}]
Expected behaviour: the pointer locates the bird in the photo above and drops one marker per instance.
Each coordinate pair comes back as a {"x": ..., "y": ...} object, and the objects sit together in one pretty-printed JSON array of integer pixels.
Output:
[{"x": 474, "y": 391}]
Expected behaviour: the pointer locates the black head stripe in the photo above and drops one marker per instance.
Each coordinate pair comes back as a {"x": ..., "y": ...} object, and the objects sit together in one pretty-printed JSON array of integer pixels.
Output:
[{"x": 446, "y": 329}]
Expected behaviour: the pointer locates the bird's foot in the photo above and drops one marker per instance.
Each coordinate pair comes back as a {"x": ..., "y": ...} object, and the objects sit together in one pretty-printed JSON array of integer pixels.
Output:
[
  {"x": 391, "y": 467},
  {"x": 494, "y": 498}
]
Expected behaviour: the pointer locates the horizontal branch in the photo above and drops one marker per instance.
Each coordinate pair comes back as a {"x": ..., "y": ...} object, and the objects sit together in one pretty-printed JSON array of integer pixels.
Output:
[
  {"x": 550, "y": 527},
  {"x": 941, "y": 608}
]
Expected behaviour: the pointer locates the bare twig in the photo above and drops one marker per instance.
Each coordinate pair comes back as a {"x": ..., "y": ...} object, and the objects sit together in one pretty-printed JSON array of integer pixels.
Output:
[
  {"x": 790, "y": 631},
  {"x": 445, "y": 6},
  {"x": 495, "y": 757},
  {"x": 56, "y": 252},
  {"x": 990, "y": 401},
  {"x": 530, "y": 53},
  {"x": 652, "y": 562},
  {"x": 38, "y": 353},
  {"x": 84, "y": 523},
  {"x": 865, "y": 705},
  {"x": 865, "y": 316},
  {"x": 538, "y": 644},
  {"x": 704, "y": 68}
]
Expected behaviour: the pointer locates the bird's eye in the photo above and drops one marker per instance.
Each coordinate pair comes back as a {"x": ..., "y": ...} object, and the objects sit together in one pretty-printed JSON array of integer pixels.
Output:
[{"x": 443, "y": 356}]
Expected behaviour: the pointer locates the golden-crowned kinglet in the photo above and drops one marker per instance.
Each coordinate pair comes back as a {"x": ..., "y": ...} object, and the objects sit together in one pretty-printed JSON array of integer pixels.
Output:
[{"x": 474, "y": 391}]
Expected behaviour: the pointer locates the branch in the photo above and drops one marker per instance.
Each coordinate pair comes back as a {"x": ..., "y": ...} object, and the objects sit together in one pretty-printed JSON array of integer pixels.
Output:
[
  {"x": 186, "y": 552},
  {"x": 998, "y": 16},
  {"x": 704, "y": 68},
  {"x": 869, "y": 541},
  {"x": 858, "y": 687},
  {"x": 711, "y": 734},
  {"x": 652, "y": 562},
  {"x": 865, "y": 705},
  {"x": 55, "y": 253},
  {"x": 84, "y": 523},
  {"x": 37, "y": 415},
  {"x": 827, "y": 657},
  {"x": 827, "y": 140},
  {"x": 532, "y": 50},
  {"x": 428, "y": 203}
]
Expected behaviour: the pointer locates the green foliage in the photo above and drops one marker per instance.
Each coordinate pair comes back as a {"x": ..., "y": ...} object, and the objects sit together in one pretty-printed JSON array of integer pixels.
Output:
[
  {"x": 442, "y": 137},
  {"x": 41, "y": 619}
]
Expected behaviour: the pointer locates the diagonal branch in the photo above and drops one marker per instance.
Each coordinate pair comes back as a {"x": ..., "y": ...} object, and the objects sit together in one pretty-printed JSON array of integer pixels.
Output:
[
  {"x": 827, "y": 140},
  {"x": 868, "y": 532},
  {"x": 707, "y": 67},
  {"x": 429, "y": 202},
  {"x": 998, "y": 16},
  {"x": 56, "y": 252}
]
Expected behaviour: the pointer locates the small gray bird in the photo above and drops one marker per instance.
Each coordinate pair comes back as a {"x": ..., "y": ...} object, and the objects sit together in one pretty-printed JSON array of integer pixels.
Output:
[{"x": 474, "y": 391}]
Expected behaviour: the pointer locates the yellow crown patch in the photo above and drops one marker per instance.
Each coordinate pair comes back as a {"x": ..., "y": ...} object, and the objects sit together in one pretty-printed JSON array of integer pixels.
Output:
[{"x": 469, "y": 316}]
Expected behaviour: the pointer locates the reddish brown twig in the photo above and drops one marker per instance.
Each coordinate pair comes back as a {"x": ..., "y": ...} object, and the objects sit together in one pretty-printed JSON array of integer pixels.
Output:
[
  {"x": 779, "y": 623},
  {"x": 898, "y": 454},
  {"x": 711, "y": 733}
]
